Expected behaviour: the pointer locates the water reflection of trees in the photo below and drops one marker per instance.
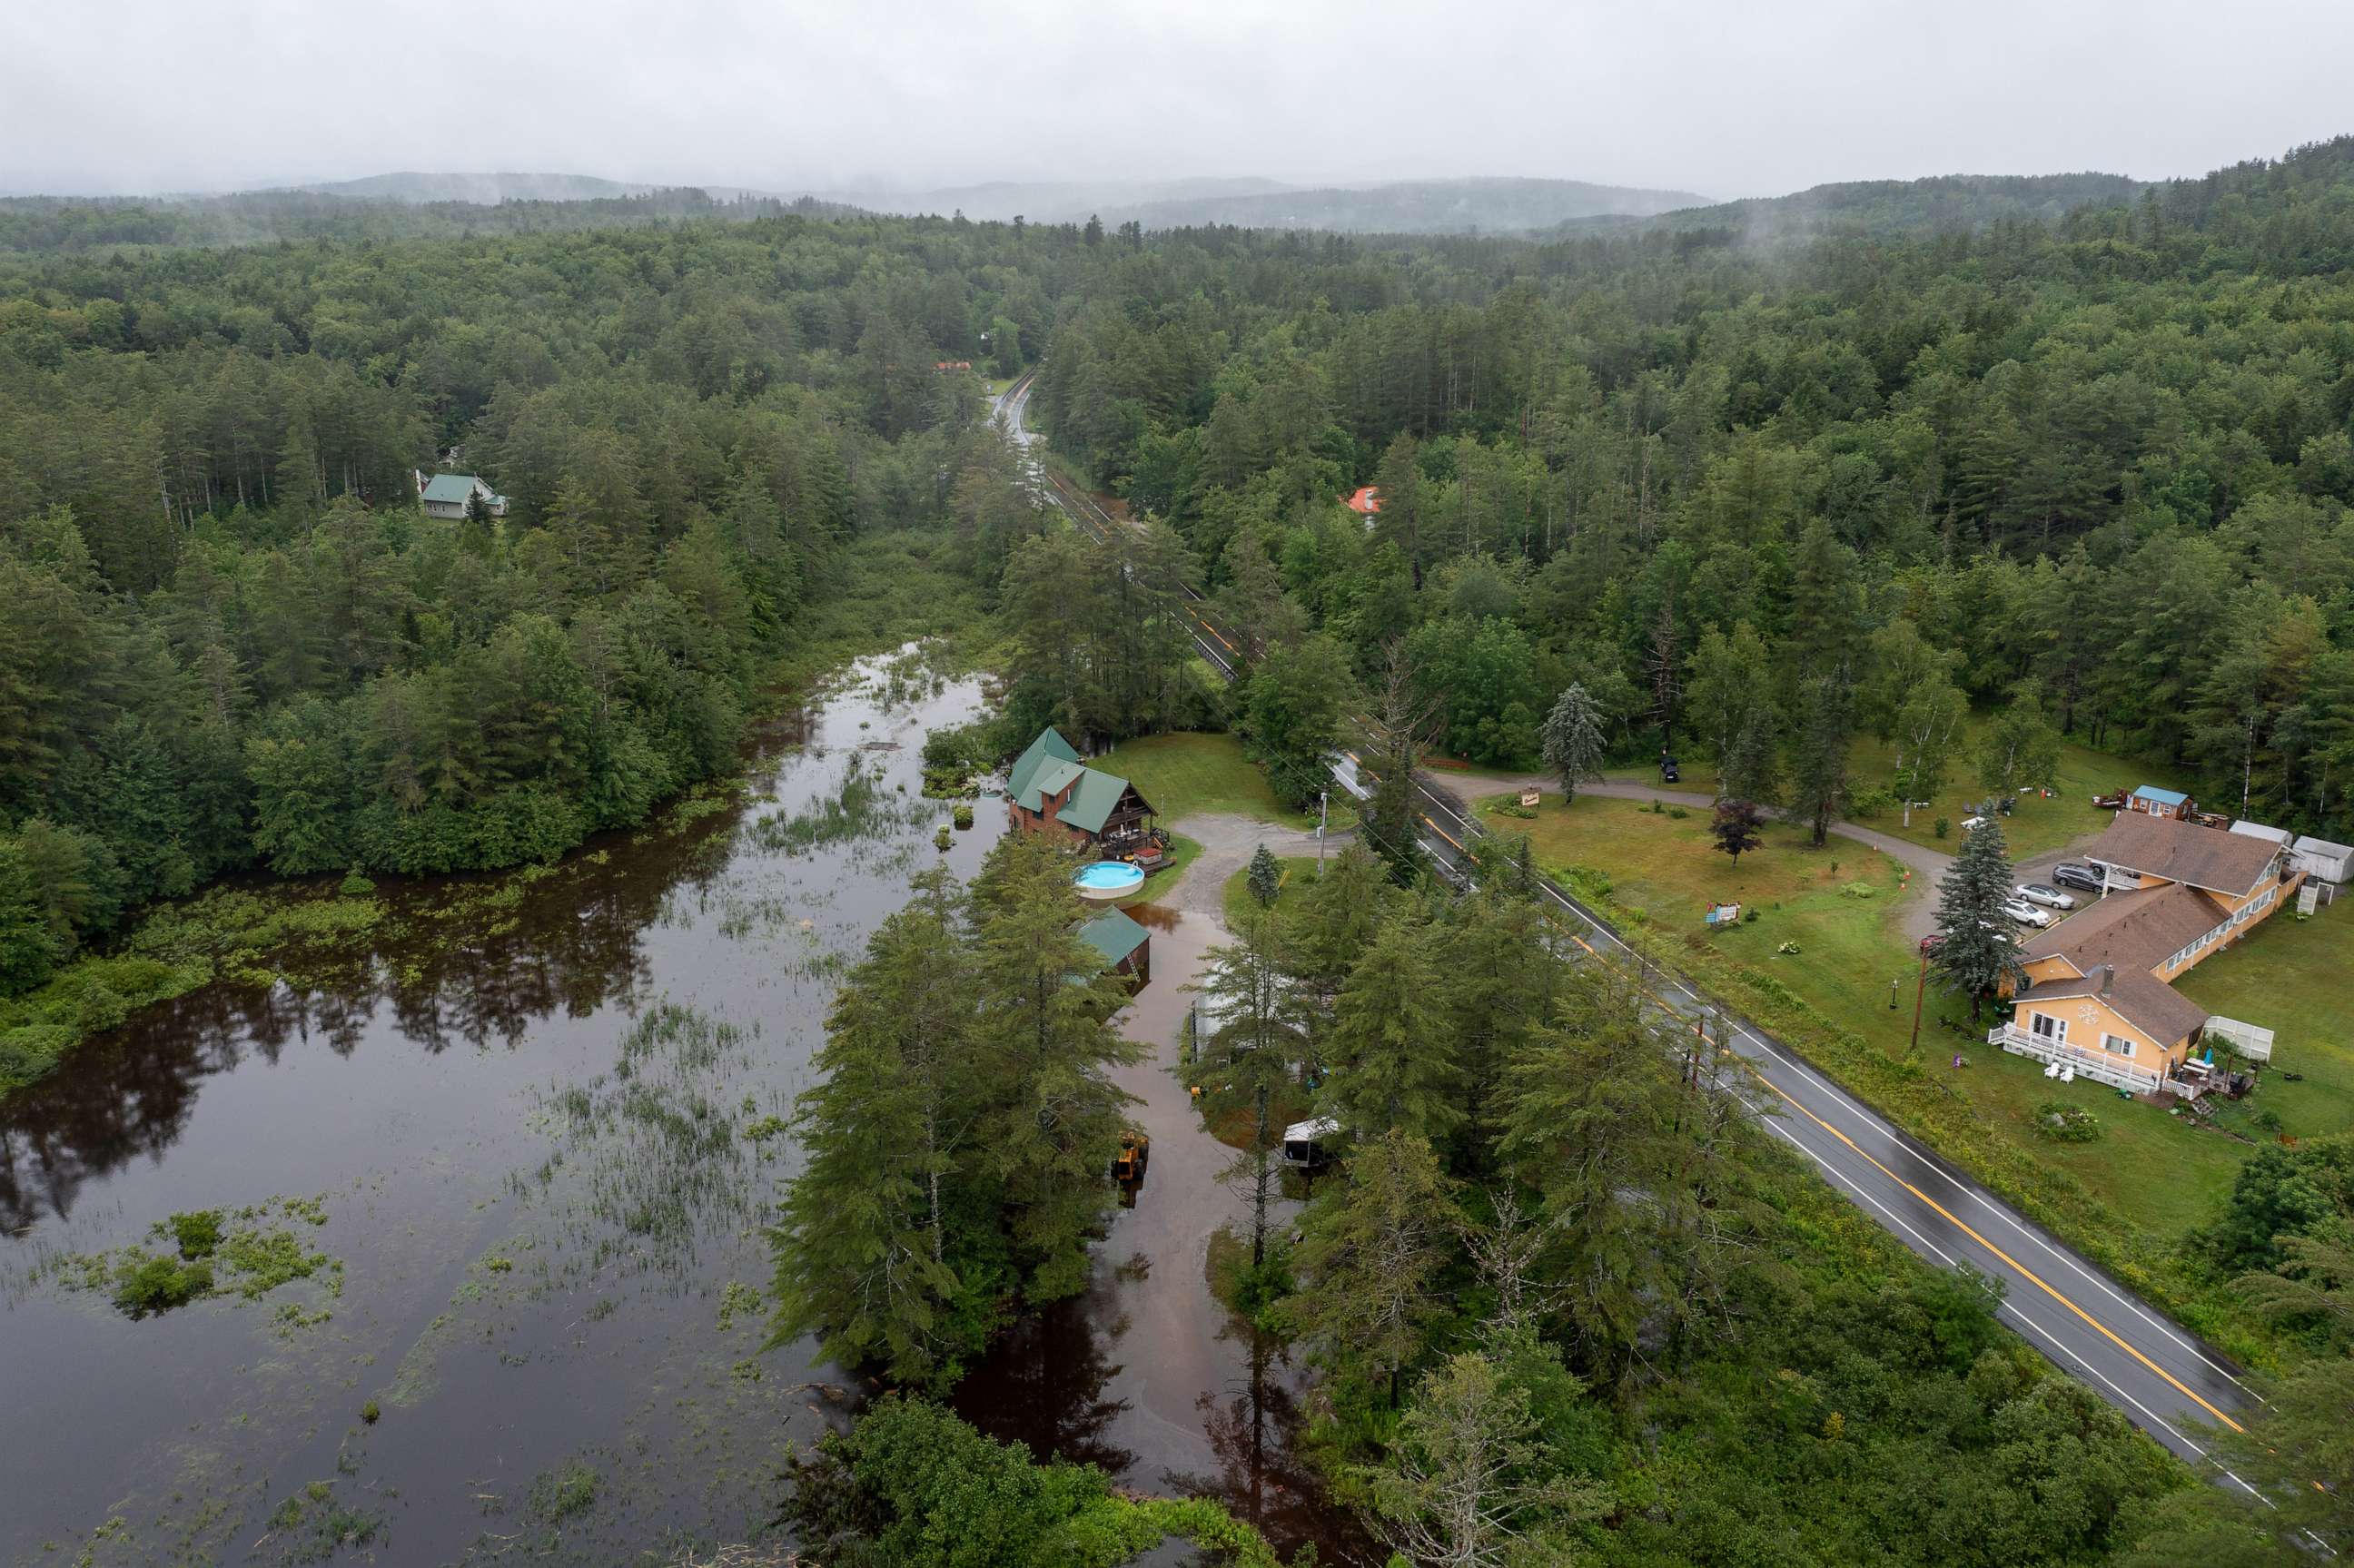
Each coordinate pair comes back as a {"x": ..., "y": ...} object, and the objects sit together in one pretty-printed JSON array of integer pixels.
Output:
[
  {"x": 1043, "y": 1384},
  {"x": 1254, "y": 1430},
  {"x": 574, "y": 941}
]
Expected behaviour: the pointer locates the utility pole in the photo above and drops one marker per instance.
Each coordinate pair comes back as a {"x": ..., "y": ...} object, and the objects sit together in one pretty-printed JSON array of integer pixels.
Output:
[
  {"x": 1918, "y": 992},
  {"x": 1323, "y": 813}
]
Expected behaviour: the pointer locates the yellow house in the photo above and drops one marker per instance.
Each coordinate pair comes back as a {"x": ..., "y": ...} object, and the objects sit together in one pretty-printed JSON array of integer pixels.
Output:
[{"x": 2099, "y": 996}]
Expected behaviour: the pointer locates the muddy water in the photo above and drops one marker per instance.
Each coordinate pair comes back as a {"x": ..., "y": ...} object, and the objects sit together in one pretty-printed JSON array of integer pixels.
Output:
[{"x": 543, "y": 1161}]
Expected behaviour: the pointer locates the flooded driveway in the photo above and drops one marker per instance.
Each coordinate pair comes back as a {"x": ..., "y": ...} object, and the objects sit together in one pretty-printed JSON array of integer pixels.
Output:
[{"x": 528, "y": 1169}]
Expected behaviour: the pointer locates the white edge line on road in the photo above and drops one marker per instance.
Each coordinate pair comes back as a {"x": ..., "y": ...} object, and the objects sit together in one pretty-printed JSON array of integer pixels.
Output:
[{"x": 1871, "y": 1120}]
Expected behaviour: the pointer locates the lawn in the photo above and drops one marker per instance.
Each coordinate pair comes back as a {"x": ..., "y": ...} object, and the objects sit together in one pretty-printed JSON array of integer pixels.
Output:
[
  {"x": 1297, "y": 871},
  {"x": 2036, "y": 826},
  {"x": 2293, "y": 978},
  {"x": 2151, "y": 1169},
  {"x": 1188, "y": 772}
]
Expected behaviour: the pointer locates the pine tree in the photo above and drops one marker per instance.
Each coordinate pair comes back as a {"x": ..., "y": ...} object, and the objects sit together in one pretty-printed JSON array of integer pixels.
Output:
[
  {"x": 1818, "y": 753},
  {"x": 1047, "y": 1044},
  {"x": 1368, "y": 1263},
  {"x": 1265, "y": 877},
  {"x": 1471, "y": 1480},
  {"x": 1573, "y": 740},
  {"x": 865, "y": 1253},
  {"x": 1974, "y": 954},
  {"x": 1260, "y": 1037},
  {"x": 1392, "y": 1052}
]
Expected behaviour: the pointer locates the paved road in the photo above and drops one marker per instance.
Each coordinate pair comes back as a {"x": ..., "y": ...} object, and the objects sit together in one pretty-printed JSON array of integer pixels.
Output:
[{"x": 2151, "y": 1369}]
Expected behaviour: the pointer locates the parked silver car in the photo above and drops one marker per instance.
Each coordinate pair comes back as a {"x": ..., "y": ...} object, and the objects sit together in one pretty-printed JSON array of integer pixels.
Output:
[{"x": 2043, "y": 893}]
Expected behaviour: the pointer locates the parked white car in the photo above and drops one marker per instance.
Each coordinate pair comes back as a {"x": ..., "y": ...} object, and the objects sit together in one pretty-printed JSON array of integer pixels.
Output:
[
  {"x": 2026, "y": 914},
  {"x": 2043, "y": 893},
  {"x": 1969, "y": 824}
]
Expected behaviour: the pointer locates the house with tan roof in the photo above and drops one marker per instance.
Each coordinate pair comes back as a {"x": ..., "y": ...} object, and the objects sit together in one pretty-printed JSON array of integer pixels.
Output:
[{"x": 2100, "y": 995}]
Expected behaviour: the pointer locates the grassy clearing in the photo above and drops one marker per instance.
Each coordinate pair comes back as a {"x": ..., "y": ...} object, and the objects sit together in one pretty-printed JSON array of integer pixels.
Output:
[
  {"x": 2126, "y": 1197},
  {"x": 2036, "y": 827},
  {"x": 2296, "y": 978},
  {"x": 1188, "y": 772},
  {"x": 1298, "y": 872},
  {"x": 893, "y": 588}
]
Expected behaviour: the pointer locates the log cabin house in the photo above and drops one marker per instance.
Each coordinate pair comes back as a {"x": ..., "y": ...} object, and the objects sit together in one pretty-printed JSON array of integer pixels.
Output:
[{"x": 1050, "y": 790}]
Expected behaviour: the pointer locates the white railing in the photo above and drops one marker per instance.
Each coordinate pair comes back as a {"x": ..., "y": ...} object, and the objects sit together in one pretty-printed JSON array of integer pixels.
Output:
[{"x": 2097, "y": 1065}]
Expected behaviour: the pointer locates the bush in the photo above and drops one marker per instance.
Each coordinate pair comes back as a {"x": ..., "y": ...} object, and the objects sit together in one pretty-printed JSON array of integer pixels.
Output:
[
  {"x": 148, "y": 1283},
  {"x": 198, "y": 1234},
  {"x": 1859, "y": 890},
  {"x": 943, "y": 839},
  {"x": 355, "y": 883},
  {"x": 963, "y": 817},
  {"x": 1941, "y": 826},
  {"x": 1677, "y": 812},
  {"x": 370, "y": 1413},
  {"x": 2064, "y": 1123},
  {"x": 1871, "y": 802}
]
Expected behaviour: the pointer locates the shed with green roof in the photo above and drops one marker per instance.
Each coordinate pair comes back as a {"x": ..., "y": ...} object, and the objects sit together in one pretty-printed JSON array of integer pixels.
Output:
[{"x": 1125, "y": 947}]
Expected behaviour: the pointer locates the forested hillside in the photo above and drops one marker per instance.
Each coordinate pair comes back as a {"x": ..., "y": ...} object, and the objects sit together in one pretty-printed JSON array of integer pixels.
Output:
[
  {"x": 2099, "y": 469},
  {"x": 230, "y": 636}
]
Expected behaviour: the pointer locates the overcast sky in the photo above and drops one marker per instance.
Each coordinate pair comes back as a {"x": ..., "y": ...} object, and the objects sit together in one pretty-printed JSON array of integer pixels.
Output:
[{"x": 1724, "y": 97}]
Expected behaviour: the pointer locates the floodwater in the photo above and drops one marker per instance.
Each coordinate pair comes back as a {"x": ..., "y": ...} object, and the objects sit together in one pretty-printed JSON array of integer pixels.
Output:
[{"x": 544, "y": 1156}]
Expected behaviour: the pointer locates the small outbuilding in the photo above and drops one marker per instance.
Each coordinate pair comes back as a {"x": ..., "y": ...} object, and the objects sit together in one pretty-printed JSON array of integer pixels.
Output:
[
  {"x": 2323, "y": 860},
  {"x": 1125, "y": 947},
  {"x": 2152, "y": 801},
  {"x": 2279, "y": 838}
]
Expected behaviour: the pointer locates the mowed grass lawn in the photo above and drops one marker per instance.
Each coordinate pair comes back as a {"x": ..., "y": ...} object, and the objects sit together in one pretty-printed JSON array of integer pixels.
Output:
[
  {"x": 2035, "y": 827},
  {"x": 1188, "y": 772},
  {"x": 2151, "y": 1168},
  {"x": 1296, "y": 871},
  {"x": 2298, "y": 981}
]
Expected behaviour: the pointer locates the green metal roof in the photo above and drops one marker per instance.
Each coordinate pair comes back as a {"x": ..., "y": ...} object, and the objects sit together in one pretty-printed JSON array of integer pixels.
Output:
[
  {"x": 1050, "y": 745},
  {"x": 451, "y": 488},
  {"x": 1092, "y": 801},
  {"x": 1114, "y": 936}
]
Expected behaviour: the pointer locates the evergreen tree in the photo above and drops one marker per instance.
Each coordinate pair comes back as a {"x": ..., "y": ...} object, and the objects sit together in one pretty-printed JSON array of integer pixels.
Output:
[
  {"x": 1975, "y": 953},
  {"x": 1471, "y": 1479},
  {"x": 1047, "y": 1044},
  {"x": 1573, "y": 740},
  {"x": 865, "y": 1253},
  {"x": 1260, "y": 1040},
  {"x": 1372, "y": 1247},
  {"x": 1819, "y": 754},
  {"x": 1265, "y": 878},
  {"x": 1391, "y": 1051}
]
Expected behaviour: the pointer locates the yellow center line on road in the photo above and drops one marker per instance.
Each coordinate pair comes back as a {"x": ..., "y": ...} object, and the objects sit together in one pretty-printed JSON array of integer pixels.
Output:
[
  {"x": 1950, "y": 1218},
  {"x": 2024, "y": 1272}
]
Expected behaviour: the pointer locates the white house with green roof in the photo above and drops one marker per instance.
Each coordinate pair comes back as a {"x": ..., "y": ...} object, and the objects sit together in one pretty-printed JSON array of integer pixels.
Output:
[
  {"x": 445, "y": 496},
  {"x": 1050, "y": 790}
]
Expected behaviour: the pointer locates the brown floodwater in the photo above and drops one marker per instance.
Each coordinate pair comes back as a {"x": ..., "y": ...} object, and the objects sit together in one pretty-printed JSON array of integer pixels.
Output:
[{"x": 542, "y": 1151}]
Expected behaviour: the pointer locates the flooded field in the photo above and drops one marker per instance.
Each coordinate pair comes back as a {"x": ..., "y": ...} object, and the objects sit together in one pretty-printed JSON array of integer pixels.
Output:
[{"x": 491, "y": 1273}]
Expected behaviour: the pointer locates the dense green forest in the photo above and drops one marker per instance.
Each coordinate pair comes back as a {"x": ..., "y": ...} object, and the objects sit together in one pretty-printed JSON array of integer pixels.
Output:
[
  {"x": 230, "y": 636},
  {"x": 2104, "y": 464}
]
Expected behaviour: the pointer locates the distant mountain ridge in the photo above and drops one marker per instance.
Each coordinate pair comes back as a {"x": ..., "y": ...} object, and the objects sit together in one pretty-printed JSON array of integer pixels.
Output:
[
  {"x": 481, "y": 189},
  {"x": 1943, "y": 202},
  {"x": 1489, "y": 205}
]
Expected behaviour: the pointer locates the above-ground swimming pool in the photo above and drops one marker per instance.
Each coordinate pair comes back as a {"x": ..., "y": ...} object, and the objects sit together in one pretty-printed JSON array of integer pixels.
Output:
[{"x": 1107, "y": 880}]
